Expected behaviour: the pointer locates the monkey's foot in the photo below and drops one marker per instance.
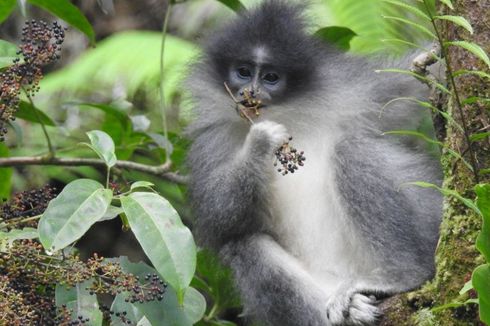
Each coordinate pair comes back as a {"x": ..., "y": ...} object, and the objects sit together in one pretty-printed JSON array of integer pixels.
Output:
[{"x": 352, "y": 308}]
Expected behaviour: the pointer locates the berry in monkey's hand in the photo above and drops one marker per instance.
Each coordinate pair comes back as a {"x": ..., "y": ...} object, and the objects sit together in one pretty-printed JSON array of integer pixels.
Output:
[
  {"x": 288, "y": 158},
  {"x": 248, "y": 108}
]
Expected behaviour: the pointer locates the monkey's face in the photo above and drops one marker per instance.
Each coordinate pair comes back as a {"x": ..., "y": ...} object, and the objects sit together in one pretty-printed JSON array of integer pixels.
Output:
[
  {"x": 269, "y": 55},
  {"x": 265, "y": 82}
]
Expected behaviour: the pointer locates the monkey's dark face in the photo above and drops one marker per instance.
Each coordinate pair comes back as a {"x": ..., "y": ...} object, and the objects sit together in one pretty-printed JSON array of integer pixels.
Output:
[
  {"x": 268, "y": 52},
  {"x": 266, "y": 82}
]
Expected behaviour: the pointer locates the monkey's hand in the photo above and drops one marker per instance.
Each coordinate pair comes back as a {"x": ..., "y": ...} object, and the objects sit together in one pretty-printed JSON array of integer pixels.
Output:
[
  {"x": 352, "y": 308},
  {"x": 264, "y": 137}
]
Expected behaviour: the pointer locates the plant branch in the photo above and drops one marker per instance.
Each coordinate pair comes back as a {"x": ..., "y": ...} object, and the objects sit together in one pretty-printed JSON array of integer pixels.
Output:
[
  {"x": 162, "y": 170},
  {"x": 450, "y": 74}
]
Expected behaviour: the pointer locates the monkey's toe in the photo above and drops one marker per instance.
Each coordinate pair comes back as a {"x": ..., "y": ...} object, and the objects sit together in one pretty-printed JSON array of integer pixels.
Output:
[{"x": 352, "y": 309}]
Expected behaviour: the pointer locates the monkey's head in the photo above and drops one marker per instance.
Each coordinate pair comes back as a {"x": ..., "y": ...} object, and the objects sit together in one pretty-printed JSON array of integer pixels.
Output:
[{"x": 266, "y": 50}]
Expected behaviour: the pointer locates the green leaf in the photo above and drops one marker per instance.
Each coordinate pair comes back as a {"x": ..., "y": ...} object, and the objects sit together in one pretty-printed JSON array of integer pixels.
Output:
[
  {"x": 80, "y": 302},
  {"x": 480, "y": 136},
  {"x": 454, "y": 304},
  {"x": 458, "y": 20},
  {"x": 483, "y": 203},
  {"x": 81, "y": 203},
  {"x": 161, "y": 141},
  {"x": 112, "y": 212},
  {"x": 111, "y": 63},
  {"x": 219, "y": 281},
  {"x": 478, "y": 73},
  {"x": 30, "y": 113},
  {"x": 410, "y": 8},
  {"x": 142, "y": 184},
  {"x": 413, "y": 133},
  {"x": 484, "y": 171},
  {"x": 410, "y": 44},
  {"x": 7, "y": 238},
  {"x": 473, "y": 48},
  {"x": 5, "y": 174},
  {"x": 448, "y": 3},
  {"x": 337, "y": 35},
  {"x": 221, "y": 323},
  {"x": 475, "y": 99},
  {"x": 422, "y": 28},
  {"x": 418, "y": 76},
  {"x": 8, "y": 51},
  {"x": 103, "y": 145},
  {"x": 234, "y": 5},
  {"x": 65, "y": 10},
  {"x": 120, "y": 305},
  {"x": 167, "y": 312},
  {"x": 467, "y": 287},
  {"x": 167, "y": 242},
  {"x": 6, "y": 8},
  {"x": 448, "y": 192},
  {"x": 108, "y": 109},
  {"x": 481, "y": 282}
]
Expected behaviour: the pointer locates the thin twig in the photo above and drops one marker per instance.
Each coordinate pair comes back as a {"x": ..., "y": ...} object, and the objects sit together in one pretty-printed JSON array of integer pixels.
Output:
[
  {"x": 18, "y": 220},
  {"x": 162, "y": 170},
  {"x": 239, "y": 105},
  {"x": 38, "y": 118},
  {"x": 161, "y": 88}
]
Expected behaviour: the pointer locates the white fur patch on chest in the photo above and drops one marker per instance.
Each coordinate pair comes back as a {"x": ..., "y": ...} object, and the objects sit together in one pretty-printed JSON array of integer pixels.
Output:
[{"x": 308, "y": 217}]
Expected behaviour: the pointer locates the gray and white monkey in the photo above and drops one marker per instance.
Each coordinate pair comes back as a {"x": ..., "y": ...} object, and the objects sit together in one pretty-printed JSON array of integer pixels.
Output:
[{"x": 322, "y": 245}]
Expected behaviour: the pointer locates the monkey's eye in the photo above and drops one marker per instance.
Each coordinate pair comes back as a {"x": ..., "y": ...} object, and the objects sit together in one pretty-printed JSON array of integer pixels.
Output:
[
  {"x": 244, "y": 72},
  {"x": 271, "y": 78}
]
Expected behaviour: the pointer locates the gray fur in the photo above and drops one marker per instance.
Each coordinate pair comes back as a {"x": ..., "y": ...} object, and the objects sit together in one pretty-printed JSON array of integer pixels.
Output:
[{"x": 310, "y": 248}]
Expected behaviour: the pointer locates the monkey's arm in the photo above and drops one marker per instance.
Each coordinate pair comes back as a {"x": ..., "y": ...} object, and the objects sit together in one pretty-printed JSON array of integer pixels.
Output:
[{"x": 230, "y": 178}]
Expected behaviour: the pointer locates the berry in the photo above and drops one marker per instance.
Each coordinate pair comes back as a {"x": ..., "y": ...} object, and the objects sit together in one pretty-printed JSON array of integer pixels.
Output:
[{"x": 289, "y": 157}]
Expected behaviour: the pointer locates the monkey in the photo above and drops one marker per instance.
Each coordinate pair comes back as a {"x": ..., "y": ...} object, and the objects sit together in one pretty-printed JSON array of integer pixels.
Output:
[{"x": 324, "y": 245}]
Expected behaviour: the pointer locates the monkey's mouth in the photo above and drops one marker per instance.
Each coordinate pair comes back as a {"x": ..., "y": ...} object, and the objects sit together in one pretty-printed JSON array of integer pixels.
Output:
[{"x": 248, "y": 105}]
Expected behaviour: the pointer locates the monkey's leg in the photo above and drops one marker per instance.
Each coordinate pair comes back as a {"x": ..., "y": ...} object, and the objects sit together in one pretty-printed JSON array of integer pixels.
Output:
[{"x": 277, "y": 290}]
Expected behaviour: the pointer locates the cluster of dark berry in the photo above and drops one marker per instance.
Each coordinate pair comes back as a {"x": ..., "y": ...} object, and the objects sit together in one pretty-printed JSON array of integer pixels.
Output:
[
  {"x": 40, "y": 46},
  {"x": 121, "y": 315},
  {"x": 153, "y": 289},
  {"x": 26, "y": 204},
  {"x": 22, "y": 302},
  {"x": 25, "y": 268},
  {"x": 289, "y": 158},
  {"x": 111, "y": 279},
  {"x": 64, "y": 318}
]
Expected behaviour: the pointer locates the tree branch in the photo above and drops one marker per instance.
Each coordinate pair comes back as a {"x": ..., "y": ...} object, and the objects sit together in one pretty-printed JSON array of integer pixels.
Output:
[
  {"x": 426, "y": 59},
  {"x": 162, "y": 171}
]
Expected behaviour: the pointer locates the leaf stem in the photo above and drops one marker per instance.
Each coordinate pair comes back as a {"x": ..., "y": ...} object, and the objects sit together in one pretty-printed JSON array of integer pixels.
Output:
[
  {"x": 45, "y": 131},
  {"x": 212, "y": 312},
  {"x": 161, "y": 90},
  {"x": 107, "y": 177}
]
